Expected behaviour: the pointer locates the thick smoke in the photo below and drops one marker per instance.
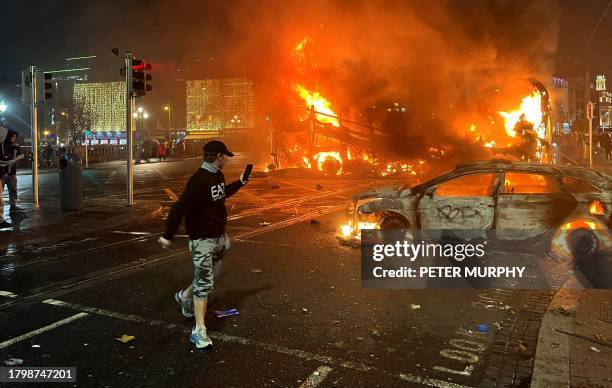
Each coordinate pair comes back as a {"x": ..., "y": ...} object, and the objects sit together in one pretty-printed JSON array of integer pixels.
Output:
[{"x": 450, "y": 63}]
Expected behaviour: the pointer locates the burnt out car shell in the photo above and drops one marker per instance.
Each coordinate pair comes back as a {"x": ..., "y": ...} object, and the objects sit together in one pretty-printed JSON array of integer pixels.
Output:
[{"x": 536, "y": 213}]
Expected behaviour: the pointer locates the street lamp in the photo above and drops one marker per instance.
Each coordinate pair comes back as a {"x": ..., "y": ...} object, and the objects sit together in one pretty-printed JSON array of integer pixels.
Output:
[
  {"x": 168, "y": 109},
  {"x": 3, "y": 107},
  {"x": 145, "y": 115},
  {"x": 140, "y": 109}
]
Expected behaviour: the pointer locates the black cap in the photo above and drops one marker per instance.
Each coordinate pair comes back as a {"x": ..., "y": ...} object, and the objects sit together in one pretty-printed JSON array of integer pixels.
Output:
[{"x": 216, "y": 147}]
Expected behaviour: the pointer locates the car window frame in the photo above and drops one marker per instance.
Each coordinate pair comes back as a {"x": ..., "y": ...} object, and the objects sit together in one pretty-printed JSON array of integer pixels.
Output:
[
  {"x": 552, "y": 177},
  {"x": 494, "y": 190},
  {"x": 566, "y": 188}
]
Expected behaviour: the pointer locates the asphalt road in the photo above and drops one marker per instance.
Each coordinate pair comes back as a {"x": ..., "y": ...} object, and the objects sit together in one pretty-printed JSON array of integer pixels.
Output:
[{"x": 304, "y": 318}]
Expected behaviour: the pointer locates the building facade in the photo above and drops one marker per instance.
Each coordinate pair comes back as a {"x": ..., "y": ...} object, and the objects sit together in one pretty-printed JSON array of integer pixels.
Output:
[{"x": 217, "y": 105}]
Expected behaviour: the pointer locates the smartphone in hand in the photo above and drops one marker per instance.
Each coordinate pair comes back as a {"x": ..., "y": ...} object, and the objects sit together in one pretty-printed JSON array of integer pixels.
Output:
[{"x": 246, "y": 175}]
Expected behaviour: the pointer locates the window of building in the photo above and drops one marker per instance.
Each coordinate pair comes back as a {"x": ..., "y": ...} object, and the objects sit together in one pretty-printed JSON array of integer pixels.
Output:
[
  {"x": 526, "y": 183},
  {"x": 578, "y": 186},
  {"x": 475, "y": 185}
]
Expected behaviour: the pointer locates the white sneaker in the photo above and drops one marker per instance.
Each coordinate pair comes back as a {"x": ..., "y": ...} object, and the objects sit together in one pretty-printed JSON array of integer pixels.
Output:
[{"x": 199, "y": 338}]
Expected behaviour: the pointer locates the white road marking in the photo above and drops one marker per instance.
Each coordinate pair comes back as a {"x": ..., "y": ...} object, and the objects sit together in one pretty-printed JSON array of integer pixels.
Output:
[
  {"x": 316, "y": 377},
  {"x": 162, "y": 174},
  {"x": 134, "y": 233},
  {"x": 43, "y": 329},
  {"x": 361, "y": 367},
  {"x": 8, "y": 294}
]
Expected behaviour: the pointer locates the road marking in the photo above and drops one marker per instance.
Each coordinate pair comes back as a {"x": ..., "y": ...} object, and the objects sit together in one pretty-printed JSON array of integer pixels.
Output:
[
  {"x": 316, "y": 377},
  {"x": 8, "y": 294},
  {"x": 162, "y": 174},
  {"x": 302, "y": 354},
  {"x": 134, "y": 233},
  {"x": 36, "y": 332},
  {"x": 171, "y": 193}
]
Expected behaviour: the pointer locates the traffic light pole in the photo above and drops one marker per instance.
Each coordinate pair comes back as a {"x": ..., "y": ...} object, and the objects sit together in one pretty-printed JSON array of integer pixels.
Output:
[
  {"x": 128, "y": 127},
  {"x": 34, "y": 111}
]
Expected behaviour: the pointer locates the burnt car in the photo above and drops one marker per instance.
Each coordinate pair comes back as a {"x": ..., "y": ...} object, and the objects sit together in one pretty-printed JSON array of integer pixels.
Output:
[{"x": 510, "y": 201}]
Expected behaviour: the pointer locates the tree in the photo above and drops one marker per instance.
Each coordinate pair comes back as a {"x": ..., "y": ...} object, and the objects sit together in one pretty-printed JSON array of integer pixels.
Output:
[{"x": 80, "y": 118}]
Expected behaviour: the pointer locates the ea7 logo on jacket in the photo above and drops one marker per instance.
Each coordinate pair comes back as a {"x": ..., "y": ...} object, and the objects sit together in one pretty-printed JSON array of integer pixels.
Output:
[{"x": 217, "y": 191}]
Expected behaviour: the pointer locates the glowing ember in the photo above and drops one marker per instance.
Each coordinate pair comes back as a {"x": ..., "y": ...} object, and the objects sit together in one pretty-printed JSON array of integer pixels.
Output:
[
  {"x": 350, "y": 230},
  {"x": 320, "y": 105},
  {"x": 531, "y": 107},
  {"x": 597, "y": 208}
]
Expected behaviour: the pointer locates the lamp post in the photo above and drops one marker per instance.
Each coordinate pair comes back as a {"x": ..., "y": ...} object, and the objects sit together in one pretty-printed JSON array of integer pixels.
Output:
[
  {"x": 140, "y": 115},
  {"x": 3, "y": 108},
  {"x": 169, "y": 110}
]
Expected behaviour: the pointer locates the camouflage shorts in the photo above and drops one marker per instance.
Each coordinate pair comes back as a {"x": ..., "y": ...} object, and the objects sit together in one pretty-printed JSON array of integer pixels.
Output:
[{"x": 204, "y": 252}]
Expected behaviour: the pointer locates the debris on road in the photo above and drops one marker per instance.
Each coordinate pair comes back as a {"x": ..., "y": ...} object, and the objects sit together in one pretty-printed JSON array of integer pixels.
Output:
[
  {"x": 124, "y": 339},
  {"x": 265, "y": 223},
  {"x": 256, "y": 270},
  {"x": 276, "y": 187},
  {"x": 593, "y": 348},
  {"x": 13, "y": 361},
  {"x": 415, "y": 306},
  {"x": 520, "y": 347},
  {"x": 226, "y": 313},
  {"x": 319, "y": 187},
  {"x": 375, "y": 333},
  {"x": 315, "y": 222},
  {"x": 482, "y": 328},
  {"x": 565, "y": 310},
  {"x": 497, "y": 326}
]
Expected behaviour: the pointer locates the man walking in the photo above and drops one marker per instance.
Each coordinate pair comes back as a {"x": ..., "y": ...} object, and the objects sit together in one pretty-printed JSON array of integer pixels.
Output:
[
  {"x": 14, "y": 155},
  {"x": 203, "y": 206}
]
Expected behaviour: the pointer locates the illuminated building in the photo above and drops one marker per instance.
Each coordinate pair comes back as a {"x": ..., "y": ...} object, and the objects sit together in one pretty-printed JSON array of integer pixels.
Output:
[
  {"x": 604, "y": 103},
  {"x": 217, "y": 105},
  {"x": 105, "y": 101}
]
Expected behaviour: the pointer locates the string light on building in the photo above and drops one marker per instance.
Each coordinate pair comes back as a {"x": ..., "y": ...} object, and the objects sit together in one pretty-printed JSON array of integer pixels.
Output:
[
  {"x": 106, "y": 103},
  {"x": 215, "y": 104}
]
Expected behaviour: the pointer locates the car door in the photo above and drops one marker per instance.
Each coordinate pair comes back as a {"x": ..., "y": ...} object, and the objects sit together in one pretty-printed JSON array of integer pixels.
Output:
[
  {"x": 463, "y": 203},
  {"x": 530, "y": 204}
]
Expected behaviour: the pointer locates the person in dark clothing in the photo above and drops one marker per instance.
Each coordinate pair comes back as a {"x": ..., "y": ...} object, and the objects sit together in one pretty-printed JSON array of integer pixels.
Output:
[
  {"x": 14, "y": 153},
  {"x": 202, "y": 204},
  {"x": 8, "y": 158}
]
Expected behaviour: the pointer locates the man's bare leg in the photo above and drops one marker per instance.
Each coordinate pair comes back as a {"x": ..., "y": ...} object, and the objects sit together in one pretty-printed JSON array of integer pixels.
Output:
[{"x": 199, "y": 309}]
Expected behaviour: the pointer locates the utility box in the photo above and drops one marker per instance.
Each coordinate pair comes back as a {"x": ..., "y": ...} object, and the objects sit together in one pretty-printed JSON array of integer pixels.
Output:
[{"x": 71, "y": 182}]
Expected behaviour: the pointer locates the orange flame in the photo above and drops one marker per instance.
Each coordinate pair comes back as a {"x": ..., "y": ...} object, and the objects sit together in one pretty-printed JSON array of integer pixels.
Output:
[
  {"x": 319, "y": 103},
  {"x": 350, "y": 230},
  {"x": 597, "y": 208},
  {"x": 531, "y": 107},
  {"x": 322, "y": 157}
]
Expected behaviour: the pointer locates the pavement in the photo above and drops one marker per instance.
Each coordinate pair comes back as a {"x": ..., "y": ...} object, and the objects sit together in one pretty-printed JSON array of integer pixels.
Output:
[{"x": 71, "y": 283}]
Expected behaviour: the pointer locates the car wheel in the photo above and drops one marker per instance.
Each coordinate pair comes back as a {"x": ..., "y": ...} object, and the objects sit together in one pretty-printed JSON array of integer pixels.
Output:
[
  {"x": 393, "y": 222},
  {"x": 583, "y": 243}
]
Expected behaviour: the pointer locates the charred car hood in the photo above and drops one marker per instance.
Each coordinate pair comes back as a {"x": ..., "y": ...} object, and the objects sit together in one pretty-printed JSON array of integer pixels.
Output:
[{"x": 379, "y": 192}]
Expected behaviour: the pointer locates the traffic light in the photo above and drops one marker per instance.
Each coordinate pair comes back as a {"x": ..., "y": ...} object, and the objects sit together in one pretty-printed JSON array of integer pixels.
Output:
[
  {"x": 47, "y": 85},
  {"x": 141, "y": 78}
]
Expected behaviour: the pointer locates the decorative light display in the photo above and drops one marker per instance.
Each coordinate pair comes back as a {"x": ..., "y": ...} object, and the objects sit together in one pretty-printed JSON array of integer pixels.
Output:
[
  {"x": 106, "y": 102},
  {"x": 217, "y": 104}
]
